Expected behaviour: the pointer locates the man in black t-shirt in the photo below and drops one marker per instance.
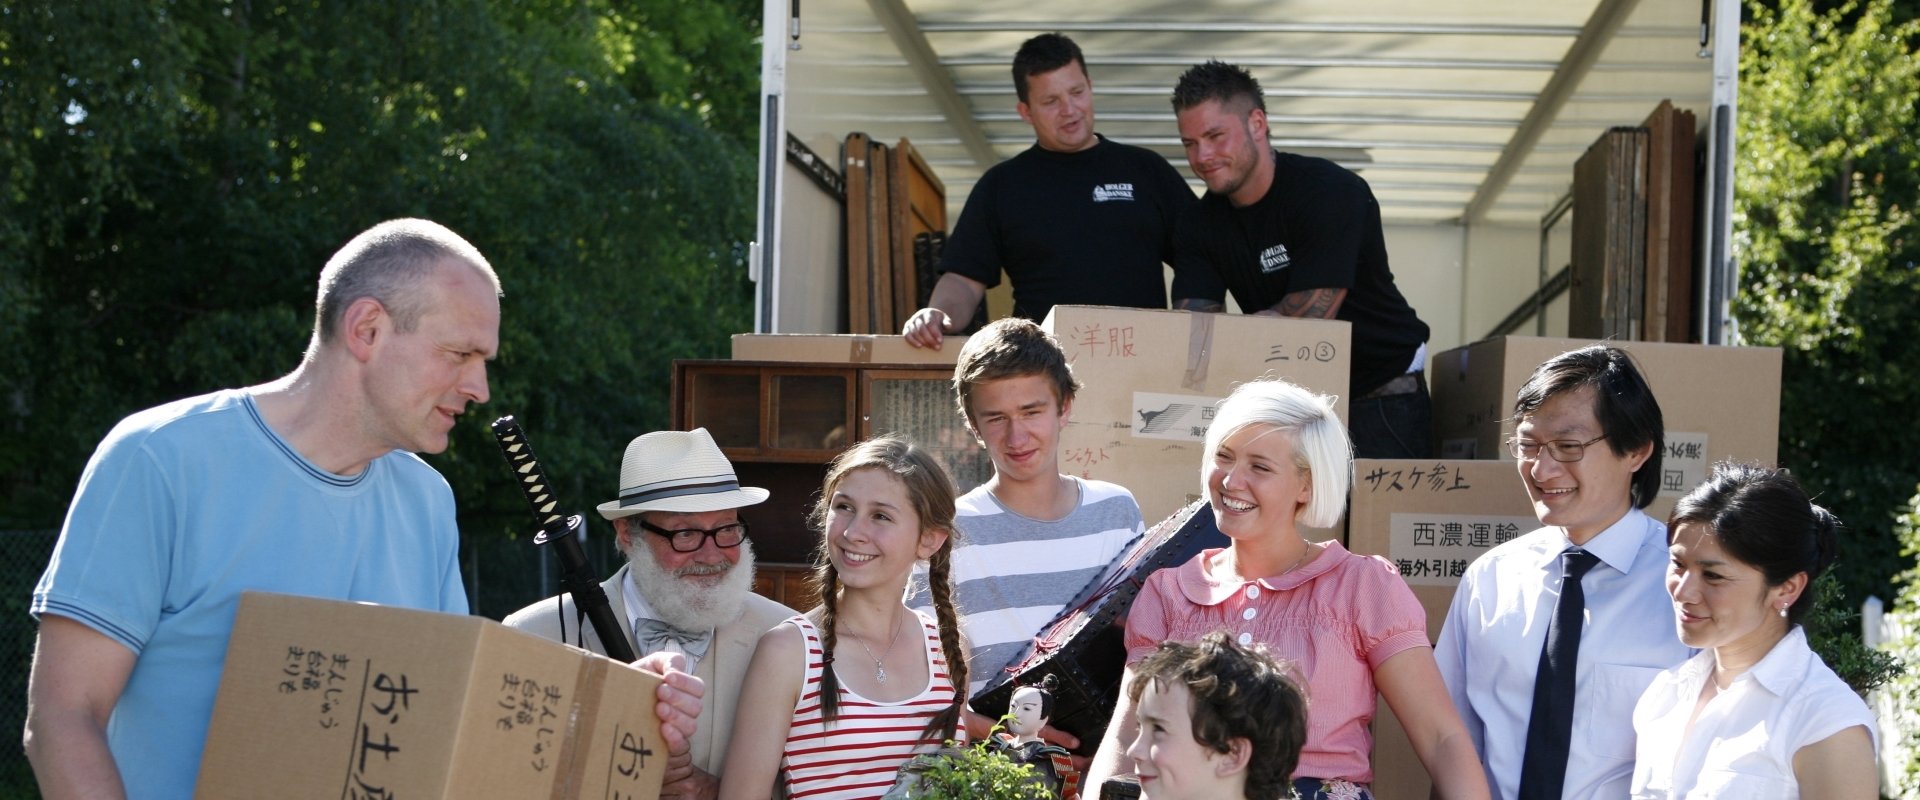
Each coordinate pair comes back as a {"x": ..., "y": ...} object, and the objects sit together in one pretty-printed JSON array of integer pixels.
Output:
[
  {"x": 1074, "y": 219},
  {"x": 1296, "y": 236}
]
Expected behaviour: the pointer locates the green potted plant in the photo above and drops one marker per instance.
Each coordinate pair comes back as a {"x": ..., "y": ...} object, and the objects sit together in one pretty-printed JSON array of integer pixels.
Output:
[{"x": 968, "y": 772}]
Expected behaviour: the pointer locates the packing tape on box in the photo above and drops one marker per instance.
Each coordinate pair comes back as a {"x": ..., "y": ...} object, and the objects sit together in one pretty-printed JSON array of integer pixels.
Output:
[
  {"x": 589, "y": 687},
  {"x": 860, "y": 350},
  {"x": 1199, "y": 350}
]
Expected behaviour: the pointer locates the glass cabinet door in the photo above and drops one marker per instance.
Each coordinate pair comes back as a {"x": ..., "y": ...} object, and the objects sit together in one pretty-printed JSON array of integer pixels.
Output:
[
  {"x": 725, "y": 401},
  {"x": 811, "y": 411},
  {"x": 919, "y": 404}
]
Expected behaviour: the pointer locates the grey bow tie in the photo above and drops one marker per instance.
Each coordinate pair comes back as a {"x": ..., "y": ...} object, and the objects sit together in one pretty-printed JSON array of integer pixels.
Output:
[{"x": 653, "y": 636}]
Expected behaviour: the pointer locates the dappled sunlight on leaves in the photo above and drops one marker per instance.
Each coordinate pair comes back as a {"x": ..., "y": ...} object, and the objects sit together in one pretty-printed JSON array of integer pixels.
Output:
[
  {"x": 600, "y": 156},
  {"x": 1826, "y": 243}
]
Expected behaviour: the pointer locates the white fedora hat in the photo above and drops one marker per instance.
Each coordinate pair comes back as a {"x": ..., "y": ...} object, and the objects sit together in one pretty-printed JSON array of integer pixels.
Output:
[{"x": 678, "y": 471}]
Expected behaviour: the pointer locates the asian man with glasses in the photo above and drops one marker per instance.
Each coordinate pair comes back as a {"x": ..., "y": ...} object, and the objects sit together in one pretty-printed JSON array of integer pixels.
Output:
[{"x": 1551, "y": 637}]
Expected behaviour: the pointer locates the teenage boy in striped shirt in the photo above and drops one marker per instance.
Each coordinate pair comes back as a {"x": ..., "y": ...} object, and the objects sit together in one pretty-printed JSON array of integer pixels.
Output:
[{"x": 1031, "y": 537}]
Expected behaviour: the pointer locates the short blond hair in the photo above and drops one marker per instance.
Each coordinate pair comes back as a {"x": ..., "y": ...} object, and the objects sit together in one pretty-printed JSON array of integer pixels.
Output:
[{"x": 1320, "y": 443}]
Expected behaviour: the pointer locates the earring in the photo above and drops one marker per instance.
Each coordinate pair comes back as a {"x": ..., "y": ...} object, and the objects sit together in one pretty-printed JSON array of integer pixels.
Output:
[{"x": 1783, "y": 612}]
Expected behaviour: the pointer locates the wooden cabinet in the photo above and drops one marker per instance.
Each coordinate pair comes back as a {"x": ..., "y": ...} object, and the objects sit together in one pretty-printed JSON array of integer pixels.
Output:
[
  {"x": 777, "y": 413},
  {"x": 780, "y": 423},
  {"x": 790, "y": 584}
]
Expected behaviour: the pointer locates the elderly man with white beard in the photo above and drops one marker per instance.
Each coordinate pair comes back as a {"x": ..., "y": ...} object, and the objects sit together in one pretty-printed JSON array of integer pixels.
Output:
[{"x": 687, "y": 586}]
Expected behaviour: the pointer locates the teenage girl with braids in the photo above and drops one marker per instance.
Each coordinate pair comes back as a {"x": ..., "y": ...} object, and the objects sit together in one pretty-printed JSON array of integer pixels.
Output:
[{"x": 836, "y": 700}]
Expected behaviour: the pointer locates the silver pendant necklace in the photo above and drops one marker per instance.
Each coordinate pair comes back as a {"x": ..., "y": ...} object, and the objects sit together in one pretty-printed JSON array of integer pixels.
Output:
[{"x": 879, "y": 665}]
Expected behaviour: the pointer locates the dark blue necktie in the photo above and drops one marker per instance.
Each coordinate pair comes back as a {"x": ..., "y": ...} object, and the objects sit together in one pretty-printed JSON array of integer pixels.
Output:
[{"x": 1549, "y": 728}]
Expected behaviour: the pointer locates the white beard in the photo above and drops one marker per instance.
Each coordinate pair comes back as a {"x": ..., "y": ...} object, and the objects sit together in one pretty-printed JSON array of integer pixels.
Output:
[{"x": 684, "y": 604}]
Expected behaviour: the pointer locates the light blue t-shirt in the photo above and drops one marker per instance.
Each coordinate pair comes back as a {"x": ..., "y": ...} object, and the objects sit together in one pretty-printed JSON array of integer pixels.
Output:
[{"x": 185, "y": 506}]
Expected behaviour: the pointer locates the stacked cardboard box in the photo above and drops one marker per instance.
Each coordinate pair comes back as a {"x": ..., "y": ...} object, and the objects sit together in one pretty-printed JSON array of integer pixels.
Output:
[
  {"x": 1434, "y": 517},
  {"x": 1431, "y": 518},
  {"x": 1153, "y": 378},
  {"x": 324, "y": 699},
  {"x": 830, "y": 348}
]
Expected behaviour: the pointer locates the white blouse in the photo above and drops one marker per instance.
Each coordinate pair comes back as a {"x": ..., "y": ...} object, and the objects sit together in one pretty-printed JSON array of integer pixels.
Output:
[{"x": 1743, "y": 744}]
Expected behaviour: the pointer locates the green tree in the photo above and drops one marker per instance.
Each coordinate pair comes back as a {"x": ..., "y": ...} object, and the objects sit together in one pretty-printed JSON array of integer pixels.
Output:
[
  {"x": 1833, "y": 631},
  {"x": 1900, "y": 699},
  {"x": 1826, "y": 184},
  {"x": 175, "y": 174}
]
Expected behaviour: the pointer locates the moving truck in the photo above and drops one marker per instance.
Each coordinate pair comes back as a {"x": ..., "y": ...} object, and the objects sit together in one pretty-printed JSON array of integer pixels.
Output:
[{"x": 1467, "y": 117}]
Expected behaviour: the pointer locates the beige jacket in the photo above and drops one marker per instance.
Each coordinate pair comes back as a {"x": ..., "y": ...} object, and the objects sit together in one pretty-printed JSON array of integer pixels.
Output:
[{"x": 723, "y": 669}]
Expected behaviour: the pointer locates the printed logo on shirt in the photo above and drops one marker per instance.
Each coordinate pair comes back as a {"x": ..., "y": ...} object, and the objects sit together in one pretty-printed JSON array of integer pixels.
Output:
[
  {"x": 1274, "y": 259},
  {"x": 1108, "y": 192}
]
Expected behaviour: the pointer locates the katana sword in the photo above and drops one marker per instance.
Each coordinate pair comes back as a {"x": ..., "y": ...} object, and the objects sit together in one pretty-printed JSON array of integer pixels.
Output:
[{"x": 563, "y": 532}]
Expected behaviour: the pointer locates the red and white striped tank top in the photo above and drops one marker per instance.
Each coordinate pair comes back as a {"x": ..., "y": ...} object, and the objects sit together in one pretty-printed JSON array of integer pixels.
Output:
[{"x": 859, "y": 755}]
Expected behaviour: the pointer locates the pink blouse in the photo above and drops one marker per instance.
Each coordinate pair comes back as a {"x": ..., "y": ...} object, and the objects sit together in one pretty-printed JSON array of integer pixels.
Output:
[{"x": 1336, "y": 619}]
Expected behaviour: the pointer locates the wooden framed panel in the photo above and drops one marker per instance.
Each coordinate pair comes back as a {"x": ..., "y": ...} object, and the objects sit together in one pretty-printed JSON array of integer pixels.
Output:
[
  {"x": 880, "y": 270},
  {"x": 809, "y": 412},
  {"x": 1670, "y": 221},
  {"x": 1609, "y": 237},
  {"x": 857, "y": 164},
  {"x": 767, "y": 411},
  {"x": 724, "y": 398},
  {"x": 916, "y": 204}
]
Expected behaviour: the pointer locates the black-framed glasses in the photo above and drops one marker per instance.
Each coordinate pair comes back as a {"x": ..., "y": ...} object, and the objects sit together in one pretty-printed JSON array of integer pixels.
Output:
[
  {"x": 1562, "y": 450},
  {"x": 687, "y": 540}
]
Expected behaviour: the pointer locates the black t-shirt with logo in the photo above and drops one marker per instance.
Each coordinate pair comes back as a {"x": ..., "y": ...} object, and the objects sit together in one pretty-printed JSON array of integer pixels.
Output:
[
  {"x": 1086, "y": 228},
  {"x": 1318, "y": 227}
]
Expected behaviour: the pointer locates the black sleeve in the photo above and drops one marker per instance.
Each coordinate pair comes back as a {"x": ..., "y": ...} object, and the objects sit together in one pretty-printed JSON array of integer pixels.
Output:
[
  {"x": 973, "y": 250},
  {"x": 1331, "y": 225},
  {"x": 1195, "y": 277}
]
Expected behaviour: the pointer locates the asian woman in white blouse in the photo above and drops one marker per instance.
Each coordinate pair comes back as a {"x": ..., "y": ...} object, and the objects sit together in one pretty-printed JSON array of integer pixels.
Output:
[{"x": 1756, "y": 714}]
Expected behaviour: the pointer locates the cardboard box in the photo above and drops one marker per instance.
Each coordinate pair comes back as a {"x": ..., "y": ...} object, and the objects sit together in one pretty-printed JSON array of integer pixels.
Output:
[
  {"x": 842, "y": 348},
  {"x": 1432, "y": 518},
  {"x": 325, "y": 699},
  {"x": 1153, "y": 378},
  {"x": 1717, "y": 402}
]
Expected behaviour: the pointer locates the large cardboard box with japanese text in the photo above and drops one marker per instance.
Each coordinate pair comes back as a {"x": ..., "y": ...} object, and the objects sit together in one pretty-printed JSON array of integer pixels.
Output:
[
  {"x": 1431, "y": 518},
  {"x": 1717, "y": 402},
  {"x": 848, "y": 348},
  {"x": 1153, "y": 378},
  {"x": 325, "y": 699}
]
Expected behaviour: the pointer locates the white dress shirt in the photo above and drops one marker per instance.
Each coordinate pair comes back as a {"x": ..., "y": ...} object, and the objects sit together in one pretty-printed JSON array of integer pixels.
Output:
[
  {"x": 1744, "y": 741},
  {"x": 1489, "y": 650}
]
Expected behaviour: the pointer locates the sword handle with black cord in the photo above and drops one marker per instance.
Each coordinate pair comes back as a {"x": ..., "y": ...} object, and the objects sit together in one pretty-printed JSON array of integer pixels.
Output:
[{"x": 576, "y": 575}]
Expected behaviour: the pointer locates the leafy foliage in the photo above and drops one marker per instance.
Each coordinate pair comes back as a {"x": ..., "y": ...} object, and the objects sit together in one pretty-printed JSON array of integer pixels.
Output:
[
  {"x": 173, "y": 176},
  {"x": 960, "y": 772},
  {"x": 1828, "y": 179},
  {"x": 1833, "y": 631},
  {"x": 1899, "y": 701}
]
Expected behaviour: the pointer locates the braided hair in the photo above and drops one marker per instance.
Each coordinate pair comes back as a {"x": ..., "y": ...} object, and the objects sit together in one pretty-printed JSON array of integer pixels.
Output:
[{"x": 931, "y": 493}]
